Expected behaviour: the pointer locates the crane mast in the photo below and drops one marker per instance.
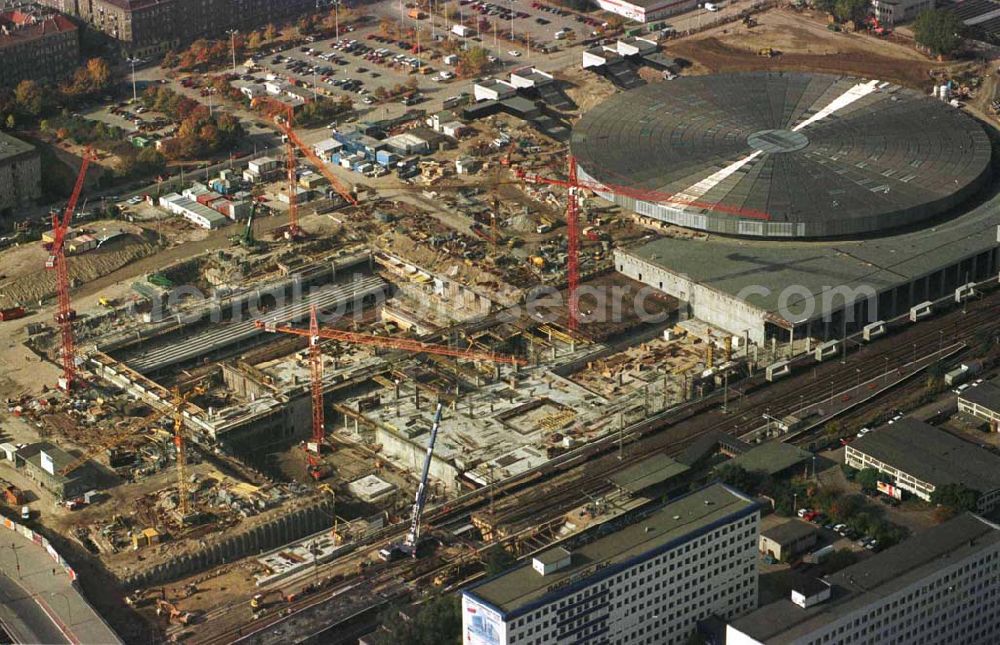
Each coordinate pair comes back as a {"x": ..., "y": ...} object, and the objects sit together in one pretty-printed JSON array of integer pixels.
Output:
[
  {"x": 413, "y": 536},
  {"x": 57, "y": 261}
]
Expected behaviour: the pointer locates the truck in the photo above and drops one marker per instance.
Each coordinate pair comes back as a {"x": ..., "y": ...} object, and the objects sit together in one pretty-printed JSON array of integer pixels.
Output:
[
  {"x": 461, "y": 30},
  {"x": 416, "y": 14},
  {"x": 12, "y": 313},
  {"x": 819, "y": 555}
]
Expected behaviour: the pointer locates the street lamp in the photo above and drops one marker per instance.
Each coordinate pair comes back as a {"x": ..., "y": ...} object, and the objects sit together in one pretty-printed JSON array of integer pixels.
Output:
[
  {"x": 232, "y": 45},
  {"x": 336, "y": 19},
  {"x": 135, "y": 94}
]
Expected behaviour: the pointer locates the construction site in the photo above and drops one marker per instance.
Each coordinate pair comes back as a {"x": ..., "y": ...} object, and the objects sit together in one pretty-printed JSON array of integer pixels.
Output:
[
  {"x": 227, "y": 408},
  {"x": 229, "y": 402}
]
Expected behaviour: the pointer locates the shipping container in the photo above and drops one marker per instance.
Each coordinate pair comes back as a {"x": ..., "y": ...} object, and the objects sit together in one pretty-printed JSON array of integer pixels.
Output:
[{"x": 12, "y": 313}]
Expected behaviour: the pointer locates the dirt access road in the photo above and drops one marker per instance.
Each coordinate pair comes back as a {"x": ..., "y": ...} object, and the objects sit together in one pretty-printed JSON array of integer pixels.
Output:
[{"x": 803, "y": 44}]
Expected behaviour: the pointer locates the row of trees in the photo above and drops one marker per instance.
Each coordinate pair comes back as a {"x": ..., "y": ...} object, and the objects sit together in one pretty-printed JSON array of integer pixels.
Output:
[
  {"x": 201, "y": 133},
  {"x": 322, "y": 110},
  {"x": 781, "y": 491},
  {"x": 859, "y": 513},
  {"x": 937, "y": 30},
  {"x": 132, "y": 162},
  {"x": 207, "y": 53},
  {"x": 31, "y": 100}
]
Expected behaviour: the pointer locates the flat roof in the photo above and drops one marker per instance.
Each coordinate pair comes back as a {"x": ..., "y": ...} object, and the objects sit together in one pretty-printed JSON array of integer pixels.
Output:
[
  {"x": 985, "y": 394},
  {"x": 771, "y": 458},
  {"x": 60, "y": 459},
  {"x": 518, "y": 590},
  {"x": 789, "y": 532},
  {"x": 552, "y": 556},
  {"x": 823, "y": 269},
  {"x": 13, "y": 147},
  {"x": 871, "y": 580},
  {"x": 932, "y": 455},
  {"x": 648, "y": 472}
]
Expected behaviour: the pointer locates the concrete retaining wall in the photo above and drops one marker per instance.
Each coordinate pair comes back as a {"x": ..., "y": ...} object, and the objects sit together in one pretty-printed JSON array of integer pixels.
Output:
[{"x": 234, "y": 546}]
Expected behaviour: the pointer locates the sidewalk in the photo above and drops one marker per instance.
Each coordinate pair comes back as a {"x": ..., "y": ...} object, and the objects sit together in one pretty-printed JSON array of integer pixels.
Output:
[{"x": 39, "y": 602}]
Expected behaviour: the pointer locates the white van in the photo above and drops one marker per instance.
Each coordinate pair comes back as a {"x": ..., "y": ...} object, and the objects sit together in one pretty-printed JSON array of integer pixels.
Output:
[{"x": 709, "y": 6}]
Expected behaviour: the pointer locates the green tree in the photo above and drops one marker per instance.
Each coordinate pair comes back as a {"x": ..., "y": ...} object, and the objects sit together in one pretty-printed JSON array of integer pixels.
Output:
[
  {"x": 844, "y": 508},
  {"x": 867, "y": 478},
  {"x": 497, "y": 560},
  {"x": 150, "y": 160},
  {"x": 740, "y": 479},
  {"x": 826, "y": 6},
  {"x": 956, "y": 496},
  {"x": 856, "y": 10},
  {"x": 938, "y": 30},
  {"x": 436, "y": 622}
]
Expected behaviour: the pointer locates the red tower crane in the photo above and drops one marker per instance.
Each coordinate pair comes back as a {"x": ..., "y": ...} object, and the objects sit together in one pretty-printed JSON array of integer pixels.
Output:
[
  {"x": 57, "y": 261},
  {"x": 314, "y": 333},
  {"x": 573, "y": 184},
  {"x": 283, "y": 114}
]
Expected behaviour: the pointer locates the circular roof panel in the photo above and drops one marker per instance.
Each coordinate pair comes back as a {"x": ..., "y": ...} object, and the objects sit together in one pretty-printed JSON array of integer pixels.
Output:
[{"x": 783, "y": 154}]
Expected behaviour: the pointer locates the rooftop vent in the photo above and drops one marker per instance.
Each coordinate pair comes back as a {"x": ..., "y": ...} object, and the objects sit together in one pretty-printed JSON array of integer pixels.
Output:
[{"x": 550, "y": 561}]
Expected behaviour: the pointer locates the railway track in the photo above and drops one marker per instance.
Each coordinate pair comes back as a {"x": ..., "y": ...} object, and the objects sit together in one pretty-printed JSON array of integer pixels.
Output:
[
  {"x": 870, "y": 361},
  {"x": 552, "y": 490}
]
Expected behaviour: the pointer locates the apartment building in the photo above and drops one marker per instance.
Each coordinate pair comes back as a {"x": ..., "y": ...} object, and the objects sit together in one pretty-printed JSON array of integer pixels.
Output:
[
  {"x": 649, "y": 582},
  {"x": 38, "y": 45},
  {"x": 20, "y": 174},
  {"x": 152, "y": 27},
  {"x": 941, "y": 586}
]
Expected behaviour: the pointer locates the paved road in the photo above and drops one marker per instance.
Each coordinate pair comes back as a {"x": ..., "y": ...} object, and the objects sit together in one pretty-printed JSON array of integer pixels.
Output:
[
  {"x": 42, "y": 607},
  {"x": 23, "y": 616}
]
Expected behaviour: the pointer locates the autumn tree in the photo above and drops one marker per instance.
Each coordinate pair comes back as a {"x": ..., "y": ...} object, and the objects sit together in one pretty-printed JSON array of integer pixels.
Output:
[
  {"x": 473, "y": 61},
  {"x": 30, "y": 97},
  {"x": 99, "y": 73}
]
